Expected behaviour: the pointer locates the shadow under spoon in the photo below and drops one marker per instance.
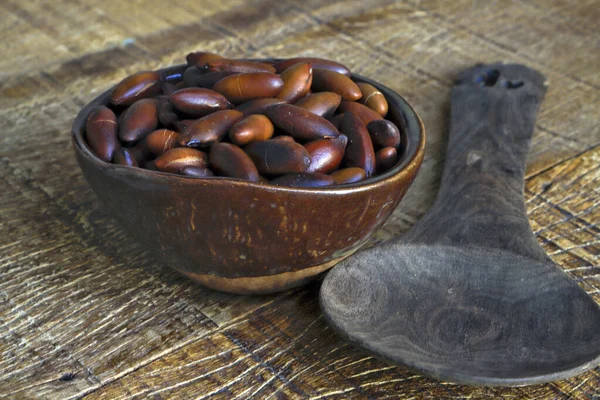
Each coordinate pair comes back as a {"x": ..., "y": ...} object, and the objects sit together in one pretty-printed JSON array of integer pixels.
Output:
[{"x": 468, "y": 295}]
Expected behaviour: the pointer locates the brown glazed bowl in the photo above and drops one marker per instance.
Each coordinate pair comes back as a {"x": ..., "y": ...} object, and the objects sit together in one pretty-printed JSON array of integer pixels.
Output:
[{"x": 246, "y": 237}]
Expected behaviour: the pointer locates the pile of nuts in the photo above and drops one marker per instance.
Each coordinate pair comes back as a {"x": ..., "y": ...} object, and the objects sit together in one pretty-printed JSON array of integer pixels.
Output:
[{"x": 298, "y": 122}]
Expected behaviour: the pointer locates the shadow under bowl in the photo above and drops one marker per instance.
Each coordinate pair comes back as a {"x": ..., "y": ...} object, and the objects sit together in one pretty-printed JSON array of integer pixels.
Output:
[{"x": 245, "y": 237}]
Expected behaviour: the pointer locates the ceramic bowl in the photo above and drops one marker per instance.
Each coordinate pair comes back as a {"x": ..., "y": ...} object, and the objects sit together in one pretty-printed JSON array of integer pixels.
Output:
[{"x": 245, "y": 237}]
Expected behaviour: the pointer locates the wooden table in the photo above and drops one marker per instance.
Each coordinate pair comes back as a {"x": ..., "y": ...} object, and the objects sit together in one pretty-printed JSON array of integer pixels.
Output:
[{"x": 85, "y": 312}]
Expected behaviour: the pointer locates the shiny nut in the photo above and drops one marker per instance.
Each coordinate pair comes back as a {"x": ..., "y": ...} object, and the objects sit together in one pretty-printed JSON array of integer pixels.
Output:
[
  {"x": 138, "y": 86},
  {"x": 296, "y": 82},
  {"x": 101, "y": 133},
  {"x": 278, "y": 157},
  {"x": 299, "y": 123},
  {"x": 139, "y": 120},
  {"x": 227, "y": 159},
  {"x": 251, "y": 128},
  {"x": 359, "y": 151},
  {"x": 240, "y": 88},
  {"x": 325, "y": 80},
  {"x": 176, "y": 159}
]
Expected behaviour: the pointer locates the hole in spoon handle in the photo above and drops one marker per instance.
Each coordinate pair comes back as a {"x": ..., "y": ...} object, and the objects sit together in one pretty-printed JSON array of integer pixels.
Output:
[{"x": 481, "y": 198}]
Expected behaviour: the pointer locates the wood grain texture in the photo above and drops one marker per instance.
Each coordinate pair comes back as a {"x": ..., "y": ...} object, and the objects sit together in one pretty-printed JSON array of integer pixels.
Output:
[
  {"x": 468, "y": 295},
  {"x": 80, "y": 300}
]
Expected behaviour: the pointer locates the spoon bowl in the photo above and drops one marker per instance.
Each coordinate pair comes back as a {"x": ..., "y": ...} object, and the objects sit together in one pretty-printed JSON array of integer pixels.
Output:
[{"x": 418, "y": 305}]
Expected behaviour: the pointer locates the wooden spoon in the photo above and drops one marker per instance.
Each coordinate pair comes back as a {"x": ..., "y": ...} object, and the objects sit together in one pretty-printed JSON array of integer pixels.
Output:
[{"x": 468, "y": 295}]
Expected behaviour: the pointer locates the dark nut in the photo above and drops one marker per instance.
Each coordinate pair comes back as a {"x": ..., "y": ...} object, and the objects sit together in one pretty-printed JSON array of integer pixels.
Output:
[
  {"x": 299, "y": 123},
  {"x": 124, "y": 157},
  {"x": 257, "y": 106},
  {"x": 360, "y": 110},
  {"x": 196, "y": 77},
  {"x": 386, "y": 158},
  {"x": 179, "y": 158},
  {"x": 336, "y": 120},
  {"x": 278, "y": 157},
  {"x": 198, "y": 102},
  {"x": 229, "y": 160},
  {"x": 384, "y": 133},
  {"x": 197, "y": 172},
  {"x": 296, "y": 82},
  {"x": 304, "y": 180},
  {"x": 209, "y": 129},
  {"x": 373, "y": 98},
  {"x": 162, "y": 140},
  {"x": 326, "y": 154},
  {"x": 286, "y": 138},
  {"x": 200, "y": 58},
  {"x": 316, "y": 63},
  {"x": 238, "y": 66},
  {"x": 251, "y": 128},
  {"x": 325, "y": 80},
  {"x": 138, "y": 86},
  {"x": 323, "y": 104},
  {"x": 359, "y": 151},
  {"x": 349, "y": 175},
  {"x": 141, "y": 153},
  {"x": 166, "y": 112},
  {"x": 240, "y": 88},
  {"x": 139, "y": 120},
  {"x": 101, "y": 132}
]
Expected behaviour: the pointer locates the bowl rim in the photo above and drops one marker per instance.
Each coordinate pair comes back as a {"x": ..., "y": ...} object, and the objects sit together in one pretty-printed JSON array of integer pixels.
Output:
[{"x": 412, "y": 130}]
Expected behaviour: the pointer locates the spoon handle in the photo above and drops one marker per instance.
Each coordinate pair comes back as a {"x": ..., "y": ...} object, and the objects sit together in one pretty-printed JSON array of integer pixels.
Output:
[{"x": 480, "y": 201}]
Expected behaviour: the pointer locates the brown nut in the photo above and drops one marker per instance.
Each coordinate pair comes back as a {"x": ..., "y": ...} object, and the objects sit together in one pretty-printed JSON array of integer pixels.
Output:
[
  {"x": 167, "y": 88},
  {"x": 336, "y": 120},
  {"x": 166, "y": 112},
  {"x": 198, "y": 102},
  {"x": 162, "y": 140},
  {"x": 138, "y": 86},
  {"x": 349, "y": 175},
  {"x": 286, "y": 138},
  {"x": 360, "y": 110},
  {"x": 325, "y": 80},
  {"x": 251, "y": 128},
  {"x": 123, "y": 156},
  {"x": 197, "y": 172},
  {"x": 179, "y": 158},
  {"x": 316, "y": 63},
  {"x": 386, "y": 158},
  {"x": 200, "y": 58},
  {"x": 257, "y": 106},
  {"x": 139, "y": 120},
  {"x": 323, "y": 104},
  {"x": 278, "y": 157},
  {"x": 304, "y": 179},
  {"x": 149, "y": 165},
  {"x": 373, "y": 98},
  {"x": 384, "y": 133},
  {"x": 238, "y": 66},
  {"x": 296, "y": 82},
  {"x": 326, "y": 154},
  {"x": 140, "y": 152},
  {"x": 227, "y": 159},
  {"x": 299, "y": 123},
  {"x": 209, "y": 129},
  {"x": 244, "y": 87},
  {"x": 101, "y": 133},
  {"x": 359, "y": 151},
  {"x": 196, "y": 77}
]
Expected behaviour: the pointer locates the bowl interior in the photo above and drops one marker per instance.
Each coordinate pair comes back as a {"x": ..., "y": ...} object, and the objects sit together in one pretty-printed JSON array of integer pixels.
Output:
[{"x": 400, "y": 112}]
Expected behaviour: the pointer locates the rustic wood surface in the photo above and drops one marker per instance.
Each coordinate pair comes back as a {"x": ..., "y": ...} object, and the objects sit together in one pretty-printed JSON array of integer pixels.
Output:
[{"x": 85, "y": 312}]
